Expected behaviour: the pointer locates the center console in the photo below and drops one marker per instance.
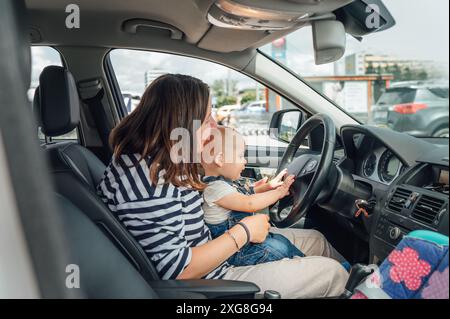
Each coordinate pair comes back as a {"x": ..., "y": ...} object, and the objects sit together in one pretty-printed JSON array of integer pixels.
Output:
[{"x": 416, "y": 201}]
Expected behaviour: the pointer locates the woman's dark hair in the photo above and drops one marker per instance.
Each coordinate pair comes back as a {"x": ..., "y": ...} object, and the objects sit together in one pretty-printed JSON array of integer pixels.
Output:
[{"x": 169, "y": 102}]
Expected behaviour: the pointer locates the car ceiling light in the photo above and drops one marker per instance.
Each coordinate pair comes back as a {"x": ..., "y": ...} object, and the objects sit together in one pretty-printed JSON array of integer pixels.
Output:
[
  {"x": 231, "y": 14},
  {"x": 246, "y": 11}
]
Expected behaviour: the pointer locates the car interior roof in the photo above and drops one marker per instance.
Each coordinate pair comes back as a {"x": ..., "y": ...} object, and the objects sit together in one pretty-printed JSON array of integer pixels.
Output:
[{"x": 102, "y": 24}]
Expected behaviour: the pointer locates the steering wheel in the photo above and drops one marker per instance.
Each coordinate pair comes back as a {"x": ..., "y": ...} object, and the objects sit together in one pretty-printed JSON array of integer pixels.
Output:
[{"x": 311, "y": 171}]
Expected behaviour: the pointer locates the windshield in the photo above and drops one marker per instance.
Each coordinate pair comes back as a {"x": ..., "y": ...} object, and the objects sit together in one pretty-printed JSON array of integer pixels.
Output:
[{"x": 396, "y": 78}]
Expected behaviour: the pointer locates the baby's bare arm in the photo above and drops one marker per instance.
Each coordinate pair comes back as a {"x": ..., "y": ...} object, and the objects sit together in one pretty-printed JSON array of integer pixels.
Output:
[
  {"x": 248, "y": 203},
  {"x": 255, "y": 202}
]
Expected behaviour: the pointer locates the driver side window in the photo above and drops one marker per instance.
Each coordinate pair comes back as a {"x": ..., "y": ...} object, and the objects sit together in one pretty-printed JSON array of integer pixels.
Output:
[{"x": 237, "y": 100}]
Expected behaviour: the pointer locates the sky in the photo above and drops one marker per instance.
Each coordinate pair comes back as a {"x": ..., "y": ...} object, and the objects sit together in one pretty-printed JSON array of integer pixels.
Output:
[{"x": 421, "y": 32}]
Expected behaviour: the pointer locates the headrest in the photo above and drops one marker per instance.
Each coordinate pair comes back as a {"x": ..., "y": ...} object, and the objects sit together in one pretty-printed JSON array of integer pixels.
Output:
[{"x": 59, "y": 101}]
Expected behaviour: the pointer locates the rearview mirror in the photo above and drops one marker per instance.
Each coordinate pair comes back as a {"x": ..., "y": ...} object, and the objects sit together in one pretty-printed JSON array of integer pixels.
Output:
[
  {"x": 284, "y": 124},
  {"x": 329, "y": 41}
]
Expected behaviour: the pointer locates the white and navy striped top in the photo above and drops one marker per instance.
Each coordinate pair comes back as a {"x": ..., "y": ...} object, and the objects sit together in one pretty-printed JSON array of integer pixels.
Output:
[{"x": 166, "y": 220}]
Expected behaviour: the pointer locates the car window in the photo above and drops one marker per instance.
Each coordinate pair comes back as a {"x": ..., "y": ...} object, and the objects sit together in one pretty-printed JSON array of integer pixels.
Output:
[
  {"x": 397, "y": 96},
  {"x": 233, "y": 95},
  {"x": 362, "y": 82},
  {"x": 440, "y": 92},
  {"x": 425, "y": 95},
  {"x": 42, "y": 56}
]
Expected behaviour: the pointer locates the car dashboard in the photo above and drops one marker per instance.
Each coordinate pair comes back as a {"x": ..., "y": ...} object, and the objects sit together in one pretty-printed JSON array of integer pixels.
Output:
[
  {"x": 407, "y": 180},
  {"x": 376, "y": 162}
]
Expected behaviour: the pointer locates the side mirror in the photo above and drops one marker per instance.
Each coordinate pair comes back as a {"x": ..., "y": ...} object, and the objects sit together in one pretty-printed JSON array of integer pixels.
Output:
[{"x": 285, "y": 124}]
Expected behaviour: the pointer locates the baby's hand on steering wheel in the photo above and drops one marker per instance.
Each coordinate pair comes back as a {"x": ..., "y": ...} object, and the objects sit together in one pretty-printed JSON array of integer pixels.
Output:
[
  {"x": 284, "y": 188},
  {"x": 277, "y": 181}
]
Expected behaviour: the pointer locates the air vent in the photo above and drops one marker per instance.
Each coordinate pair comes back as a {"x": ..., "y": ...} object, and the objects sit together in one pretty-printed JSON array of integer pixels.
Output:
[
  {"x": 399, "y": 199},
  {"x": 427, "y": 209}
]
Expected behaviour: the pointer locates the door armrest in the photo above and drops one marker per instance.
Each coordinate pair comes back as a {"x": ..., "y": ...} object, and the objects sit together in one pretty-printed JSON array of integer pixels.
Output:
[{"x": 211, "y": 288}]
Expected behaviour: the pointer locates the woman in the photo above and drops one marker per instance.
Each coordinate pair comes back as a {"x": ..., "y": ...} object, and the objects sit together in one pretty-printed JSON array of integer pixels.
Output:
[{"x": 157, "y": 199}]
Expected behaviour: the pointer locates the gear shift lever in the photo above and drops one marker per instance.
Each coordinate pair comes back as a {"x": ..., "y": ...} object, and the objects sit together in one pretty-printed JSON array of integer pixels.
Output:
[{"x": 358, "y": 273}]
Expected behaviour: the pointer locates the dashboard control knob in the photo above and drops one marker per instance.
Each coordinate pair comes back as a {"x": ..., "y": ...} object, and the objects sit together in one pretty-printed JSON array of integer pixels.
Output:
[{"x": 395, "y": 233}]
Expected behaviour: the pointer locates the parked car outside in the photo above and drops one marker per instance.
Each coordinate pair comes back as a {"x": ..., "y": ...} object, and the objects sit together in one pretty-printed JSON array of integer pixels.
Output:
[
  {"x": 254, "y": 107},
  {"x": 223, "y": 113},
  {"x": 251, "y": 118},
  {"x": 417, "y": 108},
  {"x": 253, "y": 112}
]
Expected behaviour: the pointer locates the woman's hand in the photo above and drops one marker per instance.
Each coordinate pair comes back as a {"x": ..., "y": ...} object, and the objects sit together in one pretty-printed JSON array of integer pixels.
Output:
[
  {"x": 283, "y": 190},
  {"x": 258, "y": 226}
]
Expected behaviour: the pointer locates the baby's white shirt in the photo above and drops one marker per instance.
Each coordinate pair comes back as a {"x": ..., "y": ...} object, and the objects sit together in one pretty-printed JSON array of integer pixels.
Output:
[{"x": 214, "y": 214}]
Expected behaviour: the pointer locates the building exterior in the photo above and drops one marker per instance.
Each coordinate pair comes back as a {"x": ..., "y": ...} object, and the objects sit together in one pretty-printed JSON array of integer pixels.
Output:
[{"x": 363, "y": 63}]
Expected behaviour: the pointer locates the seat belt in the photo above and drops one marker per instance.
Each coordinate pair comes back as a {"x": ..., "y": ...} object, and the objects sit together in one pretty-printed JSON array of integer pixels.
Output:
[{"x": 92, "y": 93}]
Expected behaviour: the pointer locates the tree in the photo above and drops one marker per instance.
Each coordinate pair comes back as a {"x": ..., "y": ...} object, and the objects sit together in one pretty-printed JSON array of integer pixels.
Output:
[
  {"x": 224, "y": 91},
  {"x": 389, "y": 69},
  {"x": 422, "y": 75},
  {"x": 248, "y": 97},
  {"x": 231, "y": 86},
  {"x": 407, "y": 75},
  {"x": 370, "y": 69},
  {"x": 218, "y": 88},
  {"x": 226, "y": 100},
  {"x": 397, "y": 72},
  {"x": 380, "y": 70}
]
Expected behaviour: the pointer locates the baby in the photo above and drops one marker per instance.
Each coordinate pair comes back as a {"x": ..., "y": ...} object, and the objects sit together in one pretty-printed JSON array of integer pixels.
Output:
[{"x": 227, "y": 199}]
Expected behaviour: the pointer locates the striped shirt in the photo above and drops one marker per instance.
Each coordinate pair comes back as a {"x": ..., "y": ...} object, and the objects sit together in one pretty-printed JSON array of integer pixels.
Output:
[{"x": 166, "y": 220}]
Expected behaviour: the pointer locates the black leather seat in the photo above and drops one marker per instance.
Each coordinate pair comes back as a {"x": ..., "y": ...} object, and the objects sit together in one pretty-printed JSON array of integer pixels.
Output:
[
  {"x": 103, "y": 272},
  {"x": 75, "y": 170}
]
